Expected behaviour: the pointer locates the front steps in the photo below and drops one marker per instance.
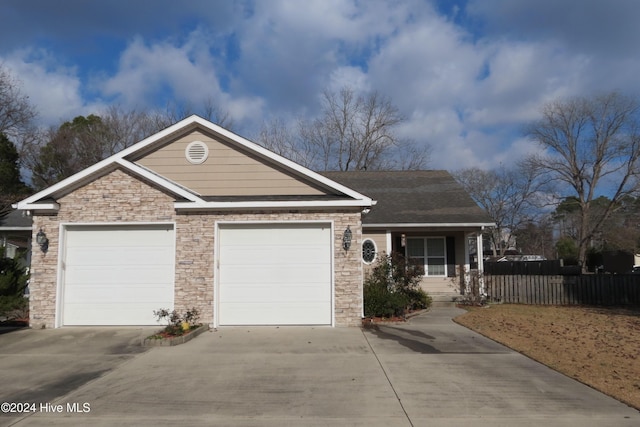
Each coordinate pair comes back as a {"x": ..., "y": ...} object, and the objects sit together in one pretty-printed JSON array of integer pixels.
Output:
[{"x": 444, "y": 299}]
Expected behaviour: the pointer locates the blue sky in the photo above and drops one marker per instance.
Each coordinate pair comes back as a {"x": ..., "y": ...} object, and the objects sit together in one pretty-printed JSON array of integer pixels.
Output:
[{"x": 467, "y": 74}]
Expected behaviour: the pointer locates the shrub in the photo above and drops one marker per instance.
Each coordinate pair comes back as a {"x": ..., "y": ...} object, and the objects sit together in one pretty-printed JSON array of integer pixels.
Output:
[
  {"x": 393, "y": 287},
  {"x": 13, "y": 281},
  {"x": 177, "y": 324}
]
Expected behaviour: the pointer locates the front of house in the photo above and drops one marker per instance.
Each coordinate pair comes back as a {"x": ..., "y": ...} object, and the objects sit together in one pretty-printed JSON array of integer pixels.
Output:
[
  {"x": 427, "y": 217},
  {"x": 198, "y": 217}
]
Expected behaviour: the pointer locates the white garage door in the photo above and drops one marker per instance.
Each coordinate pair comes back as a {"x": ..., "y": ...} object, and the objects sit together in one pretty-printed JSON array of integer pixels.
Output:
[
  {"x": 275, "y": 274},
  {"x": 117, "y": 275}
]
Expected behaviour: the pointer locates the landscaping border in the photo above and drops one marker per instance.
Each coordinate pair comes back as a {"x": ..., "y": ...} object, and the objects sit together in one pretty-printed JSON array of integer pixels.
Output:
[{"x": 171, "y": 341}]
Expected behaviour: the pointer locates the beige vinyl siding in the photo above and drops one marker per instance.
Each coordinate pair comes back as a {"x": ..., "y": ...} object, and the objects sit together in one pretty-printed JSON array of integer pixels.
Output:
[
  {"x": 228, "y": 171},
  {"x": 379, "y": 237}
]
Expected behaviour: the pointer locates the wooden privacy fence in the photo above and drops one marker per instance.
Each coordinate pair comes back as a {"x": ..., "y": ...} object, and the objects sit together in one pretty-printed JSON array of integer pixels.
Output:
[
  {"x": 596, "y": 289},
  {"x": 544, "y": 268}
]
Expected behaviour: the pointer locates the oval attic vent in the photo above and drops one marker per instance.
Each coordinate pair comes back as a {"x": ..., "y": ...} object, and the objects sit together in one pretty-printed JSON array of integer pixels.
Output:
[{"x": 197, "y": 152}]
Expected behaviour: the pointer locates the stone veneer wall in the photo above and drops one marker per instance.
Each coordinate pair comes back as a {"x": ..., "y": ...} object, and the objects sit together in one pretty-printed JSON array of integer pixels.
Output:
[{"x": 120, "y": 197}]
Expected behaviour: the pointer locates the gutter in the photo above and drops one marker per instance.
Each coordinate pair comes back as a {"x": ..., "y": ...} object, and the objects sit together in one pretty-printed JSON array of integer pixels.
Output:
[{"x": 480, "y": 225}]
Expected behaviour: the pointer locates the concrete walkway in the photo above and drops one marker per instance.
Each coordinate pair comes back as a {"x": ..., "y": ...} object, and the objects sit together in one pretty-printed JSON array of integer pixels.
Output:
[{"x": 428, "y": 372}]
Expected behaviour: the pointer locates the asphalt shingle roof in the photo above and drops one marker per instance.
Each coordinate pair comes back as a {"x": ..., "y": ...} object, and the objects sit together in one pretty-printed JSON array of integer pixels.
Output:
[
  {"x": 15, "y": 219},
  {"x": 413, "y": 197}
]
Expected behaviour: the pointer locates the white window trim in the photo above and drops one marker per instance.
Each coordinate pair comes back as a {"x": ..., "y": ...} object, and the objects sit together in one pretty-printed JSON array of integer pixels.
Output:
[
  {"x": 375, "y": 251},
  {"x": 426, "y": 257}
]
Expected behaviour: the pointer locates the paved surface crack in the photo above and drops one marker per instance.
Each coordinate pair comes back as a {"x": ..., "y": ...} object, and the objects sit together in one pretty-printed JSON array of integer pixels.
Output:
[{"x": 384, "y": 371}]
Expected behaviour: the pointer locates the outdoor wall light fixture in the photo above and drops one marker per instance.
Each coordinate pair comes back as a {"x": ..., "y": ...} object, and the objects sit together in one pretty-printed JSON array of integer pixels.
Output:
[
  {"x": 42, "y": 240},
  {"x": 346, "y": 239}
]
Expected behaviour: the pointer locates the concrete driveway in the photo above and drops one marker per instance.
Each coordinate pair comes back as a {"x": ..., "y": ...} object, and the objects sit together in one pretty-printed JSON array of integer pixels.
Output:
[
  {"x": 40, "y": 366},
  {"x": 429, "y": 371}
]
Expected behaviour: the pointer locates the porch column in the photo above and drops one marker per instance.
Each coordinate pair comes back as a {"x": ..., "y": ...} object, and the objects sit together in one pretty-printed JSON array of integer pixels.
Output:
[
  {"x": 481, "y": 288},
  {"x": 467, "y": 265}
]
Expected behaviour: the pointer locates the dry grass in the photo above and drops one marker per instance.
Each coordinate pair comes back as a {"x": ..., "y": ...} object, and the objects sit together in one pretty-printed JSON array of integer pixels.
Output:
[{"x": 597, "y": 346}]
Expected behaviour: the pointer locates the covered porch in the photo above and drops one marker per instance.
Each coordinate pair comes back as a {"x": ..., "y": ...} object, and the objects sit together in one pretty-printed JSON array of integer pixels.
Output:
[{"x": 449, "y": 256}]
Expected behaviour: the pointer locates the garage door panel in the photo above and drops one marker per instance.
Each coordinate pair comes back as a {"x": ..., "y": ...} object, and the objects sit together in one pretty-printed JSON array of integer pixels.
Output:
[
  {"x": 276, "y": 254},
  {"x": 143, "y": 255},
  {"x": 267, "y": 293},
  {"x": 117, "y": 275},
  {"x": 286, "y": 232},
  {"x": 101, "y": 294},
  {"x": 121, "y": 236},
  {"x": 97, "y": 275},
  {"x": 283, "y": 314},
  {"x": 127, "y": 315},
  {"x": 275, "y": 274}
]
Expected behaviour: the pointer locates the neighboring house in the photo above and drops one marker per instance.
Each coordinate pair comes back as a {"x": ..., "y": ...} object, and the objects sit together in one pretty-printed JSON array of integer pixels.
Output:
[
  {"x": 15, "y": 235},
  {"x": 424, "y": 215},
  {"x": 196, "y": 216}
]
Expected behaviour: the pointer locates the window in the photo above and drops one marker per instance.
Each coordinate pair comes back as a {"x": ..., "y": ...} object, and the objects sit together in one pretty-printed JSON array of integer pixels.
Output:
[
  {"x": 368, "y": 251},
  {"x": 429, "y": 252}
]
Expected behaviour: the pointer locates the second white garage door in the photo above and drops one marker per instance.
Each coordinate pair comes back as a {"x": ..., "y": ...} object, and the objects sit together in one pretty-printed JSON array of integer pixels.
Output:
[
  {"x": 275, "y": 274},
  {"x": 117, "y": 275}
]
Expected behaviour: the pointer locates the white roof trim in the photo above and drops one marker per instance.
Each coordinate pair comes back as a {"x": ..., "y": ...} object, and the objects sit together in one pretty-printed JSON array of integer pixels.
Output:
[
  {"x": 65, "y": 182},
  {"x": 270, "y": 204},
  {"x": 49, "y": 207},
  {"x": 431, "y": 225},
  {"x": 119, "y": 158}
]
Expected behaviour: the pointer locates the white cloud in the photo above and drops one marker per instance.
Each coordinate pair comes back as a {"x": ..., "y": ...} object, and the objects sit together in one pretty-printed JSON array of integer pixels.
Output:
[
  {"x": 146, "y": 71},
  {"x": 426, "y": 63},
  {"x": 54, "y": 90},
  {"x": 352, "y": 77},
  {"x": 465, "y": 89},
  {"x": 170, "y": 71}
]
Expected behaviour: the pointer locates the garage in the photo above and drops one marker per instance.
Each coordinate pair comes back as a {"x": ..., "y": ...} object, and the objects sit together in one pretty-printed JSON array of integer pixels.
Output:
[
  {"x": 117, "y": 275},
  {"x": 275, "y": 274}
]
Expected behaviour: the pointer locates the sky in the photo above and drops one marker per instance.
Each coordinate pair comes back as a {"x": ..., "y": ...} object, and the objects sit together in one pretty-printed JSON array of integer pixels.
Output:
[{"x": 467, "y": 75}]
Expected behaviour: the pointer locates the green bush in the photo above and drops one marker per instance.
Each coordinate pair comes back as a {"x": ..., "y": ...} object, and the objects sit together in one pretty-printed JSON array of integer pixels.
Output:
[
  {"x": 393, "y": 287},
  {"x": 379, "y": 301},
  {"x": 13, "y": 281}
]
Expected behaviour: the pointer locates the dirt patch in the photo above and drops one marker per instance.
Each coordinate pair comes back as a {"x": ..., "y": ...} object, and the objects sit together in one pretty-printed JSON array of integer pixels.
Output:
[{"x": 597, "y": 346}]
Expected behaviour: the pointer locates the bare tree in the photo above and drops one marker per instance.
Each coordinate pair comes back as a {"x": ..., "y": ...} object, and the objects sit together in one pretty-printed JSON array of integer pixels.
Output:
[
  {"x": 509, "y": 196},
  {"x": 282, "y": 140},
  {"x": 356, "y": 130},
  {"x": 352, "y": 133},
  {"x": 126, "y": 127},
  {"x": 591, "y": 147},
  {"x": 408, "y": 155},
  {"x": 16, "y": 113},
  {"x": 209, "y": 110}
]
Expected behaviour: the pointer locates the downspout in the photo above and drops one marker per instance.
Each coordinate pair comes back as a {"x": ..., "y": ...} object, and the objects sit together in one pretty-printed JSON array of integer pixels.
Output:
[
  {"x": 481, "y": 290},
  {"x": 467, "y": 265}
]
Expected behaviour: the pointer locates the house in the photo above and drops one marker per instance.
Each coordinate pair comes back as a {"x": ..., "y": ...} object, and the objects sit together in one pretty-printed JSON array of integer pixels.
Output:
[
  {"x": 15, "y": 235},
  {"x": 424, "y": 215},
  {"x": 196, "y": 216}
]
